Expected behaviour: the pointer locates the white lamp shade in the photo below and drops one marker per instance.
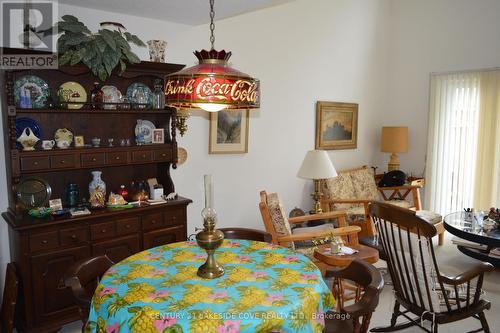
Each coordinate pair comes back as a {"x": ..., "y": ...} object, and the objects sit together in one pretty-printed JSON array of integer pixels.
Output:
[{"x": 317, "y": 165}]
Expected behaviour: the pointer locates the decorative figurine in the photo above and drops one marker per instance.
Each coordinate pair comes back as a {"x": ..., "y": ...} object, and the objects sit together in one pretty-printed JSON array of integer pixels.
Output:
[{"x": 28, "y": 139}]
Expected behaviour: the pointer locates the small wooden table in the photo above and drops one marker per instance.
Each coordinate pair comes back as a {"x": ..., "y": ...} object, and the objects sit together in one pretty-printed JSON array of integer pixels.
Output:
[{"x": 367, "y": 254}]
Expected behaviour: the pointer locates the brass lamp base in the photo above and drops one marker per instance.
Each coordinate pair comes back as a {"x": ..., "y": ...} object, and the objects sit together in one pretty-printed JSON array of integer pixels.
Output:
[
  {"x": 393, "y": 163},
  {"x": 317, "y": 195},
  {"x": 210, "y": 269},
  {"x": 210, "y": 240}
]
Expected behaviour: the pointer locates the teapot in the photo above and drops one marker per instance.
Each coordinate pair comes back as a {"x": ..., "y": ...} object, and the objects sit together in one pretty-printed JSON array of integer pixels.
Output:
[{"x": 28, "y": 139}]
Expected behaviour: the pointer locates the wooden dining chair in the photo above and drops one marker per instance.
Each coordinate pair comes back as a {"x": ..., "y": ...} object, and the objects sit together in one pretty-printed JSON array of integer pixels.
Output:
[
  {"x": 247, "y": 233},
  {"x": 419, "y": 286},
  {"x": 10, "y": 292},
  {"x": 368, "y": 283},
  {"x": 82, "y": 278}
]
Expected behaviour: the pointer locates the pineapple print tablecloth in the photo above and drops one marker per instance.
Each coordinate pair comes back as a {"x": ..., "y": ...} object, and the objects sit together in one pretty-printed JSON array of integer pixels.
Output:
[{"x": 265, "y": 288}]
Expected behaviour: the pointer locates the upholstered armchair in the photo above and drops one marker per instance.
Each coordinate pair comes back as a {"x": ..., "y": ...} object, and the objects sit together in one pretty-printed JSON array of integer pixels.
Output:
[
  {"x": 353, "y": 190},
  {"x": 279, "y": 226}
]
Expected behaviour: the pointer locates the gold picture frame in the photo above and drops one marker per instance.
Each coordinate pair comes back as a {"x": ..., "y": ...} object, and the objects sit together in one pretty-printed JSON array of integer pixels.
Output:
[
  {"x": 228, "y": 132},
  {"x": 336, "y": 125}
]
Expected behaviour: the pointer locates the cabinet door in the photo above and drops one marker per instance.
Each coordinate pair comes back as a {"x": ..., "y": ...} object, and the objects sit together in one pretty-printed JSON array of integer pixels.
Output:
[
  {"x": 117, "y": 249},
  {"x": 52, "y": 300},
  {"x": 164, "y": 236}
]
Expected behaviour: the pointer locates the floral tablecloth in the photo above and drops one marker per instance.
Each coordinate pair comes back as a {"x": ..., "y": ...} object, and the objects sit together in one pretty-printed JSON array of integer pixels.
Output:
[{"x": 265, "y": 288}]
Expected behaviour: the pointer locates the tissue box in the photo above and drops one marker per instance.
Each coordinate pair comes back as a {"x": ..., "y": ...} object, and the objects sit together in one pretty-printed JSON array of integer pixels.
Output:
[{"x": 155, "y": 189}]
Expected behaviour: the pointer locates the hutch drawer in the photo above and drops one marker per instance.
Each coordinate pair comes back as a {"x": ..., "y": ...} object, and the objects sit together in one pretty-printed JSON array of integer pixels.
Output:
[
  {"x": 128, "y": 226},
  {"x": 116, "y": 157},
  {"x": 152, "y": 221},
  {"x": 45, "y": 241},
  {"x": 92, "y": 159},
  {"x": 72, "y": 236},
  {"x": 62, "y": 161},
  {"x": 141, "y": 156},
  {"x": 34, "y": 163},
  {"x": 102, "y": 230},
  {"x": 162, "y": 155},
  {"x": 175, "y": 216}
]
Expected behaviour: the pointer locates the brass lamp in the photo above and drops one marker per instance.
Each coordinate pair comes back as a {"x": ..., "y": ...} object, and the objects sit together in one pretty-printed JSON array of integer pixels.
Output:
[
  {"x": 316, "y": 166},
  {"x": 209, "y": 239},
  {"x": 394, "y": 140}
]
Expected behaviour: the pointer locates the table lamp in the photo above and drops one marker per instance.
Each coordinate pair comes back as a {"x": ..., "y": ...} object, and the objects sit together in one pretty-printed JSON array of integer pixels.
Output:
[
  {"x": 316, "y": 166},
  {"x": 394, "y": 140}
]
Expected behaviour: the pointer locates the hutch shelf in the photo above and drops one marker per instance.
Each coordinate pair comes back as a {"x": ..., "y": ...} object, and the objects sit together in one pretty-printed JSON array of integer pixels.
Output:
[{"x": 43, "y": 248}]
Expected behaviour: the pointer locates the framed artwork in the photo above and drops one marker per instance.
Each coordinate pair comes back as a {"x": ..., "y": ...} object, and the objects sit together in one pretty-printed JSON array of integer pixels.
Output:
[
  {"x": 79, "y": 142},
  {"x": 158, "y": 135},
  {"x": 336, "y": 125},
  {"x": 228, "y": 132}
]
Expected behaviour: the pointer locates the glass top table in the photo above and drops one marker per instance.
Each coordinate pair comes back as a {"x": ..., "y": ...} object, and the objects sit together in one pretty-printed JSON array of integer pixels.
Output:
[{"x": 473, "y": 227}]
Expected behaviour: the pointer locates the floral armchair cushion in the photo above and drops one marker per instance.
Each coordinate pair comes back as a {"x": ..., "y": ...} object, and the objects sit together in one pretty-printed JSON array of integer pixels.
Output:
[
  {"x": 339, "y": 187},
  {"x": 278, "y": 217},
  {"x": 364, "y": 184}
]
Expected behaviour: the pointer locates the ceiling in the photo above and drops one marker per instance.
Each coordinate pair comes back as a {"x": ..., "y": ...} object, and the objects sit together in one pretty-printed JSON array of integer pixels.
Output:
[{"x": 192, "y": 12}]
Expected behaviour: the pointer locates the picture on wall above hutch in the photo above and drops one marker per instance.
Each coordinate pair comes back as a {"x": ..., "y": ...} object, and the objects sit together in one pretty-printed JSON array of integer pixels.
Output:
[{"x": 69, "y": 143}]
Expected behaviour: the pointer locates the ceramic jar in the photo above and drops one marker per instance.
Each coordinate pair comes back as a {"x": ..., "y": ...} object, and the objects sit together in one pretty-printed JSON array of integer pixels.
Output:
[{"x": 97, "y": 191}]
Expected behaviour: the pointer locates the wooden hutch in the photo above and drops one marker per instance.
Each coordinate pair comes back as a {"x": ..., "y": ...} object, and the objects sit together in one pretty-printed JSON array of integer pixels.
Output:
[{"x": 43, "y": 248}]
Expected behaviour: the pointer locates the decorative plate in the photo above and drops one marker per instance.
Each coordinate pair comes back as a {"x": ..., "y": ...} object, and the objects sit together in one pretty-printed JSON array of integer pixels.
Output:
[
  {"x": 23, "y": 122},
  {"x": 63, "y": 134},
  {"x": 33, "y": 192},
  {"x": 111, "y": 95},
  {"x": 38, "y": 88},
  {"x": 72, "y": 92},
  {"x": 182, "y": 155},
  {"x": 134, "y": 88},
  {"x": 144, "y": 130}
]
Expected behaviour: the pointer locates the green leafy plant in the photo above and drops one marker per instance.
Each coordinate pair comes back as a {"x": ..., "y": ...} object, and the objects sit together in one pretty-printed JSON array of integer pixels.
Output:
[{"x": 101, "y": 52}]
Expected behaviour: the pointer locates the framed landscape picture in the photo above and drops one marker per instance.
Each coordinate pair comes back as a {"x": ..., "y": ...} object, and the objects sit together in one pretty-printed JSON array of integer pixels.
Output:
[
  {"x": 228, "y": 132},
  {"x": 336, "y": 125}
]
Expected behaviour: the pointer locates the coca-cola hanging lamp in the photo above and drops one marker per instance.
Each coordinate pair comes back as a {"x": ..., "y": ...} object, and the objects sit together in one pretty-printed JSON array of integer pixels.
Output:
[{"x": 212, "y": 85}]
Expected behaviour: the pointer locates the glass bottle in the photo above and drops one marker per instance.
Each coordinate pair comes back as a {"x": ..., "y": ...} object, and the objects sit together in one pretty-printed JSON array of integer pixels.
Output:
[
  {"x": 123, "y": 192},
  {"x": 158, "y": 96},
  {"x": 141, "y": 99},
  {"x": 72, "y": 195},
  {"x": 96, "y": 97}
]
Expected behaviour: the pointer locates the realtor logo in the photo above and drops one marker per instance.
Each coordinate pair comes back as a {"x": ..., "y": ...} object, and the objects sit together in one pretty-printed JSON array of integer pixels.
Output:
[{"x": 22, "y": 27}]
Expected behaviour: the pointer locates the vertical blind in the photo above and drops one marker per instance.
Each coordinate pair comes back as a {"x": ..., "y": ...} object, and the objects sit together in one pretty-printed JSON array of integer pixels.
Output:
[
  {"x": 463, "y": 150},
  {"x": 452, "y": 142}
]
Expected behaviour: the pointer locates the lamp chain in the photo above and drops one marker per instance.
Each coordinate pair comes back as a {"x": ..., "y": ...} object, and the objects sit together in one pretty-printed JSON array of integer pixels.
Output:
[{"x": 212, "y": 25}]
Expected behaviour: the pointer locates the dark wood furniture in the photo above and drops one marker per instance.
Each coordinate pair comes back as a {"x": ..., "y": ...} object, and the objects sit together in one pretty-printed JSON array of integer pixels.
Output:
[
  {"x": 9, "y": 300},
  {"x": 247, "y": 233},
  {"x": 43, "y": 249},
  {"x": 368, "y": 283},
  {"x": 472, "y": 228},
  {"x": 365, "y": 253},
  {"x": 418, "y": 284},
  {"x": 82, "y": 278}
]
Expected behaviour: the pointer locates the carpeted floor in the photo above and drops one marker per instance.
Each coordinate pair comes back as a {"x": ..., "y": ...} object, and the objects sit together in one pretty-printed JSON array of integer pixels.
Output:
[{"x": 451, "y": 262}]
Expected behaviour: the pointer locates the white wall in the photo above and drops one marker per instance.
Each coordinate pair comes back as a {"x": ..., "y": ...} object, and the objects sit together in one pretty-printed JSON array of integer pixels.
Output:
[
  {"x": 434, "y": 36},
  {"x": 302, "y": 52}
]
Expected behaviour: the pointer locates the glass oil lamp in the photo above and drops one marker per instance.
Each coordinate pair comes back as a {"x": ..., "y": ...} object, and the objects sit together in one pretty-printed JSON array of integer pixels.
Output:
[{"x": 209, "y": 238}]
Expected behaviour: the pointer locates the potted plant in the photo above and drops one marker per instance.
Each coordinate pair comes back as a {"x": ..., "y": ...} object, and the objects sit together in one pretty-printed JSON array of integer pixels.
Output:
[{"x": 101, "y": 51}]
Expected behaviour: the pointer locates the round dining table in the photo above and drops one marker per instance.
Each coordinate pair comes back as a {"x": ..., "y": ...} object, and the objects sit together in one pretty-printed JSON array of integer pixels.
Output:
[{"x": 265, "y": 288}]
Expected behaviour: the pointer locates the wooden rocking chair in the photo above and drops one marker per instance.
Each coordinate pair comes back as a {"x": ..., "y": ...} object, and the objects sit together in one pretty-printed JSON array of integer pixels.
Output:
[{"x": 418, "y": 284}]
